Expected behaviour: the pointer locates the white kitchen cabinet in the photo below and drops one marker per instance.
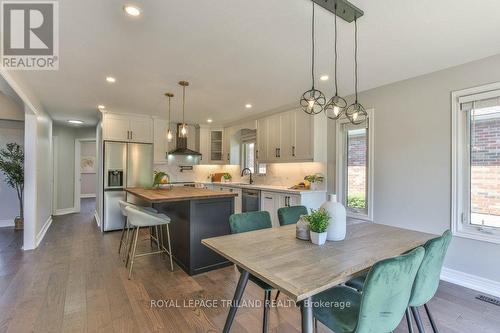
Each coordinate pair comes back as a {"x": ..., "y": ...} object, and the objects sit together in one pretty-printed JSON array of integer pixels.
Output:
[
  {"x": 211, "y": 145},
  {"x": 129, "y": 128},
  {"x": 287, "y": 136},
  {"x": 302, "y": 134},
  {"x": 237, "y": 199},
  {"x": 262, "y": 132},
  {"x": 273, "y": 138},
  {"x": 269, "y": 202},
  {"x": 288, "y": 200},
  {"x": 160, "y": 143}
]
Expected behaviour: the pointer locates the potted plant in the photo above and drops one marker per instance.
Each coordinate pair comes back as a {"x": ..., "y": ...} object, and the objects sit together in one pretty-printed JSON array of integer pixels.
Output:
[
  {"x": 227, "y": 177},
  {"x": 12, "y": 165},
  {"x": 318, "y": 225},
  {"x": 160, "y": 178},
  {"x": 314, "y": 180}
]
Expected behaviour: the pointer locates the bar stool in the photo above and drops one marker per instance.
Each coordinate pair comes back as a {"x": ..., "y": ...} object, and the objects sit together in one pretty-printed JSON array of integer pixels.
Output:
[
  {"x": 126, "y": 227},
  {"x": 137, "y": 219}
]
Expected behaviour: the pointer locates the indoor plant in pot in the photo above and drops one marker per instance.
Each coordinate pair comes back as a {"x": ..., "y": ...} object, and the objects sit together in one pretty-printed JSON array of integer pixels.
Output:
[
  {"x": 227, "y": 177},
  {"x": 314, "y": 180},
  {"x": 12, "y": 165},
  {"x": 318, "y": 225}
]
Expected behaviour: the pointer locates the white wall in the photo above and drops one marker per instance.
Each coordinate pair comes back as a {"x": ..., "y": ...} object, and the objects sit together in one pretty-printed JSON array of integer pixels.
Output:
[
  {"x": 10, "y": 131},
  {"x": 38, "y": 162},
  {"x": 66, "y": 136},
  {"x": 89, "y": 180},
  {"x": 412, "y": 166}
]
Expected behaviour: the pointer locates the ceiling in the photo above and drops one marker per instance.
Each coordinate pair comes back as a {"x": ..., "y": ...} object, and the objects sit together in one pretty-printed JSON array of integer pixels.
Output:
[{"x": 235, "y": 52}]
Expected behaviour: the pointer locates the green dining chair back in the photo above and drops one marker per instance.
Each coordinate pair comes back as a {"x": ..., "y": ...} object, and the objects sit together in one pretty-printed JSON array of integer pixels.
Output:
[
  {"x": 383, "y": 302},
  {"x": 290, "y": 215},
  {"x": 250, "y": 221},
  {"x": 427, "y": 280},
  {"x": 387, "y": 292}
]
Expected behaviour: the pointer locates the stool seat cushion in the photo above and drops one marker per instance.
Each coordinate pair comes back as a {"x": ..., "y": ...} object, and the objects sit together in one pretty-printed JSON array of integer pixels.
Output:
[
  {"x": 142, "y": 218},
  {"x": 124, "y": 204}
]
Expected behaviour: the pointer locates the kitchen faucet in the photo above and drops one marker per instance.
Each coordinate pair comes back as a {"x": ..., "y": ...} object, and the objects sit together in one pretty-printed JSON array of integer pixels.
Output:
[{"x": 249, "y": 172}]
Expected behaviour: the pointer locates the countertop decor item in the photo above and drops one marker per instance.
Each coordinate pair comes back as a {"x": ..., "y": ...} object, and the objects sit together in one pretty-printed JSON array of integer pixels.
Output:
[
  {"x": 314, "y": 180},
  {"x": 12, "y": 165},
  {"x": 318, "y": 225},
  {"x": 160, "y": 178},
  {"x": 227, "y": 177},
  {"x": 302, "y": 229},
  {"x": 337, "y": 225}
]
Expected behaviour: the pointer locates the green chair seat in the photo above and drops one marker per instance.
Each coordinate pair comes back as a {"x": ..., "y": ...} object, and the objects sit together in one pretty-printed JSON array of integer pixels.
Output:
[
  {"x": 336, "y": 318},
  {"x": 382, "y": 304},
  {"x": 290, "y": 215}
]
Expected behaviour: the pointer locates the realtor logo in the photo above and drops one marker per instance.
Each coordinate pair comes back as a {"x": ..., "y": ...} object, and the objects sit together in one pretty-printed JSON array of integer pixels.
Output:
[{"x": 30, "y": 36}]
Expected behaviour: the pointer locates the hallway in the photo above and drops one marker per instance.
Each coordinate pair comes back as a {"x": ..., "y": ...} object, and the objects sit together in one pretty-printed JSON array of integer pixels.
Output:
[{"x": 75, "y": 282}]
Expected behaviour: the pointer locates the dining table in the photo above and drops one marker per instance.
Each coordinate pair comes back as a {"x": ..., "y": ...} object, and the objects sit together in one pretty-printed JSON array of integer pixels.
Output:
[{"x": 301, "y": 269}]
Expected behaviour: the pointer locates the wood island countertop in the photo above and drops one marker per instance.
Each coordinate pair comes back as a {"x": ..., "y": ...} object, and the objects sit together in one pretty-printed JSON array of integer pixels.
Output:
[{"x": 177, "y": 193}]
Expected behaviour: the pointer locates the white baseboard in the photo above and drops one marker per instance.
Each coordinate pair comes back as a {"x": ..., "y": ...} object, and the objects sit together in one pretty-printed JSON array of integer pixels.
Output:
[
  {"x": 471, "y": 281},
  {"x": 65, "y": 211},
  {"x": 6, "y": 223},
  {"x": 43, "y": 231},
  {"x": 85, "y": 196},
  {"x": 97, "y": 220}
]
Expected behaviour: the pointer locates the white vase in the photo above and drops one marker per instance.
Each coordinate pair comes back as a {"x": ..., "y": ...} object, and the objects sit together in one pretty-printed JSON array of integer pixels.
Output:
[
  {"x": 313, "y": 186},
  {"x": 337, "y": 226},
  {"x": 318, "y": 238}
]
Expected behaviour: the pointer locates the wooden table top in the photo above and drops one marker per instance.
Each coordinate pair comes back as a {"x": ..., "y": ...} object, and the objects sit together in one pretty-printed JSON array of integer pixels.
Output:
[
  {"x": 177, "y": 193},
  {"x": 301, "y": 269}
]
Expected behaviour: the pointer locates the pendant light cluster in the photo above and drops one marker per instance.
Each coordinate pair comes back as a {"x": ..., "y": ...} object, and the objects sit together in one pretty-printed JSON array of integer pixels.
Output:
[
  {"x": 314, "y": 102},
  {"x": 184, "y": 127}
]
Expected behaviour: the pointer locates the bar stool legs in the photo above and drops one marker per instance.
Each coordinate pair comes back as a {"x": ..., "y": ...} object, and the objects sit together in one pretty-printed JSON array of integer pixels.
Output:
[
  {"x": 123, "y": 234},
  {"x": 133, "y": 252},
  {"x": 169, "y": 249}
]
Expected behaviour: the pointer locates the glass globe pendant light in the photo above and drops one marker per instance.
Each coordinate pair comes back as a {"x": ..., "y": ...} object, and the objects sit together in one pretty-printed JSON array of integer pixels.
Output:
[
  {"x": 183, "y": 130},
  {"x": 169, "y": 132},
  {"x": 356, "y": 112},
  {"x": 335, "y": 107},
  {"x": 313, "y": 100}
]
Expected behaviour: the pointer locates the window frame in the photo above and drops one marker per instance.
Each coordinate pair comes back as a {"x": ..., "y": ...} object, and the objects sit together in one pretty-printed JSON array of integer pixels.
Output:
[
  {"x": 460, "y": 155},
  {"x": 244, "y": 150},
  {"x": 341, "y": 170}
]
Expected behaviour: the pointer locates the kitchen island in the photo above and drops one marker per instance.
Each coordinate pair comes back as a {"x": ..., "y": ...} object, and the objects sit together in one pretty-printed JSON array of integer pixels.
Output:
[{"x": 195, "y": 214}]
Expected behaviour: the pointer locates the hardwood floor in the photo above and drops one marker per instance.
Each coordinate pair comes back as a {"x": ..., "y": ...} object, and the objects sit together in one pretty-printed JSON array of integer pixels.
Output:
[{"x": 75, "y": 282}]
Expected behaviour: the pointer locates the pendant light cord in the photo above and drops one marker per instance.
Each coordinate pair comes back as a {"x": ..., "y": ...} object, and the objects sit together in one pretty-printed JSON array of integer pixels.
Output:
[
  {"x": 356, "y": 58},
  {"x": 312, "y": 39},
  {"x": 183, "y": 103},
  {"x": 169, "y": 113},
  {"x": 335, "y": 48}
]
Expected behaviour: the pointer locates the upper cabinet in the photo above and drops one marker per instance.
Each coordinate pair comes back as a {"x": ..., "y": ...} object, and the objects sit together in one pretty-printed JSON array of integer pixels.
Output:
[
  {"x": 212, "y": 145},
  {"x": 127, "y": 128},
  {"x": 291, "y": 136}
]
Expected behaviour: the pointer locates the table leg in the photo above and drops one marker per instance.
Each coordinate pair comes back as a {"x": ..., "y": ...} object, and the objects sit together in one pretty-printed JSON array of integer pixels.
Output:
[
  {"x": 307, "y": 315},
  {"x": 238, "y": 293}
]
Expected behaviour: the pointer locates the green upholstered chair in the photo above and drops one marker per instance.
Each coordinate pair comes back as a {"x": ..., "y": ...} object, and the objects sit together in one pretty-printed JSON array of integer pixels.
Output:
[
  {"x": 426, "y": 281},
  {"x": 251, "y": 221},
  {"x": 290, "y": 215},
  {"x": 382, "y": 304}
]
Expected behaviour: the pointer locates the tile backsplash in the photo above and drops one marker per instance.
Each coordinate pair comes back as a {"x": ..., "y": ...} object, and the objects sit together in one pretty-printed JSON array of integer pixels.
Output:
[{"x": 282, "y": 174}]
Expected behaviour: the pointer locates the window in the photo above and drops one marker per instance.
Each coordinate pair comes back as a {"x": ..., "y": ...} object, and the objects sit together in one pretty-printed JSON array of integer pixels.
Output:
[
  {"x": 476, "y": 163},
  {"x": 249, "y": 156},
  {"x": 355, "y": 167}
]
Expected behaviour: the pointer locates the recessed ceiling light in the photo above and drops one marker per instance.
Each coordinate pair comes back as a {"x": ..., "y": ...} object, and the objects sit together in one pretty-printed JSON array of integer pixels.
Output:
[
  {"x": 74, "y": 121},
  {"x": 132, "y": 10},
  {"x": 101, "y": 107},
  {"x": 209, "y": 120},
  {"x": 110, "y": 79},
  {"x": 324, "y": 77},
  {"x": 248, "y": 106}
]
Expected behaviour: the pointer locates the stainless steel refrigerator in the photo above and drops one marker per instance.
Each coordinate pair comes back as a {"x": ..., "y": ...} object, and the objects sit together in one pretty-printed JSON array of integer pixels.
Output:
[{"x": 125, "y": 165}]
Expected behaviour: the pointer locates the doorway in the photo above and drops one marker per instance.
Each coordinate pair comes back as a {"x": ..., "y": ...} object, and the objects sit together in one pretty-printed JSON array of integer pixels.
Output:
[{"x": 85, "y": 175}]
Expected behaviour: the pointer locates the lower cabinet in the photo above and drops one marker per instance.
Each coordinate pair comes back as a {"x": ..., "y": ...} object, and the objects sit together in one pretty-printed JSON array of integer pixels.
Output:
[
  {"x": 237, "y": 199},
  {"x": 272, "y": 201}
]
